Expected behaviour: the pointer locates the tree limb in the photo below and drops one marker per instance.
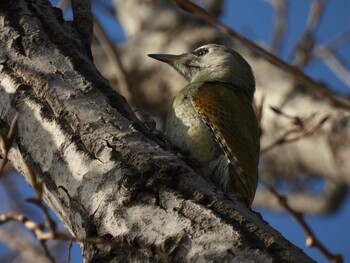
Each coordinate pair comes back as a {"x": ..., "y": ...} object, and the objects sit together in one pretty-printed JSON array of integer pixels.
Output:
[{"x": 101, "y": 173}]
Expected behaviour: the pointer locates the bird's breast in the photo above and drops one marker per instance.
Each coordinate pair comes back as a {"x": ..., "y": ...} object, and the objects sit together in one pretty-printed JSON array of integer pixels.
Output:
[{"x": 186, "y": 130}]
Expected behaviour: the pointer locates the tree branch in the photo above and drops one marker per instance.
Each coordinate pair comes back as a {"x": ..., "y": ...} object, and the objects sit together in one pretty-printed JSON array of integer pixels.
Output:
[{"x": 102, "y": 174}]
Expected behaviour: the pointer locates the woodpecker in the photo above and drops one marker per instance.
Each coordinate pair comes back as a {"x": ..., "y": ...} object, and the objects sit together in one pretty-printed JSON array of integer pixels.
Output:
[{"x": 212, "y": 118}]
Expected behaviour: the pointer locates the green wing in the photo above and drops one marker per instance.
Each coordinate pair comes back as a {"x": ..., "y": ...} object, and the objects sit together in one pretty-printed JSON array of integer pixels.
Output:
[{"x": 231, "y": 117}]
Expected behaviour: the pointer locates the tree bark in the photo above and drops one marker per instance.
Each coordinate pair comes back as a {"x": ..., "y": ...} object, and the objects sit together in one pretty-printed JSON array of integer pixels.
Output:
[{"x": 103, "y": 175}]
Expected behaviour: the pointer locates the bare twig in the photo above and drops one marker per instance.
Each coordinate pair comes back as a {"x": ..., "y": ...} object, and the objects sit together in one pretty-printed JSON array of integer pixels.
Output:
[
  {"x": 339, "y": 39},
  {"x": 279, "y": 141},
  {"x": 297, "y": 121},
  {"x": 70, "y": 243},
  {"x": 36, "y": 183},
  {"x": 35, "y": 228},
  {"x": 299, "y": 129},
  {"x": 47, "y": 251},
  {"x": 27, "y": 251},
  {"x": 214, "y": 7},
  {"x": 39, "y": 231},
  {"x": 326, "y": 202},
  {"x": 299, "y": 75},
  {"x": 14, "y": 193},
  {"x": 333, "y": 62},
  {"x": 258, "y": 107},
  {"x": 63, "y": 4},
  {"x": 303, "y": 48},
  {"x": 7, "y": 141},
  {"x": 111, "y": 52},
  {"x": 49, "y": 221},
  {"x": 311, "y": 239},
  {"x": 113, "y": 57},
  {"x": 279, "y": 25}
]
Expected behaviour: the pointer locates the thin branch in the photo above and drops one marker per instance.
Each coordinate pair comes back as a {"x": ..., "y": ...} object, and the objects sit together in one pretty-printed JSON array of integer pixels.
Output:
[
  {"x": 214, "y": 7},
  {"x": 35, "y": 228},
  {"x": 328, "y": 201},
  {"x": 298, "y": 74},
  {"x": 39, "y": 232},
  {"x": 25, "y": 249},
  {"x": 70, "y": 243},
  {"x": 299, "y": 129},
  {"x": 279, "y": 25},
  {"x": 333, "y": 62},
  {"x": 316, "y": 11},
  {"x": 338, "y": 40},
  {"x": 63, "y": 4},
  {"x": 258, "y": 107},
  {"x": 36, "y": 183},
  {"x": 49, "y": 221},
  {"x": 311, "y": 239},
  {"x": 113, "y": 57},
  {"x": 14, "y": 193},
  {"x": 297, "y": 121},
  {"x": 279, "y": 141},
  {"x": 7, "y": 142},
  {"x": 47, "y": 251},
  {"x": 303, "y": 48}
]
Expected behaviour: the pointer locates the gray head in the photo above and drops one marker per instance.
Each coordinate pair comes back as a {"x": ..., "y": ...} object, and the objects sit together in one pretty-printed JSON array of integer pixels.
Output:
[{"x": 210, "y": 63}]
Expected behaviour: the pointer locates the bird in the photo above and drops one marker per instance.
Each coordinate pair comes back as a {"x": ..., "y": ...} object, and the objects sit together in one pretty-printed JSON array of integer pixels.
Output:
[{"x": 212, "y": 119}]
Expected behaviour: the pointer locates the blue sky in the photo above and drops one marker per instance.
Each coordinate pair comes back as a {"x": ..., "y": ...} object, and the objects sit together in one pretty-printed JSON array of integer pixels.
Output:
[{"x": 253, "y": 19}]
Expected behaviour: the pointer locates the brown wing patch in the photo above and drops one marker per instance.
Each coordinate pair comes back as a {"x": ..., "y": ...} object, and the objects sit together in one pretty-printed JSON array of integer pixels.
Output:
[{"x": 232, "y": 119}]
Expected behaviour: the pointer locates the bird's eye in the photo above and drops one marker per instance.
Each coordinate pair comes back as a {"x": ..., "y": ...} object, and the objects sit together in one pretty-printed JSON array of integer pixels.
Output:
[{"x": 201, "y": 52}]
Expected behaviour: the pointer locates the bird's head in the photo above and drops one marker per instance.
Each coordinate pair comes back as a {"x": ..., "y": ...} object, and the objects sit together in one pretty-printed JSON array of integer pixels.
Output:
[{"x": 211, "y": 63}]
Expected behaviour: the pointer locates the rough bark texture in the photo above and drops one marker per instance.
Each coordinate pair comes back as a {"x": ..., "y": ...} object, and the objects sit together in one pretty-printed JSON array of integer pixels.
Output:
[
  {"x": 102, "y": 175},
  {"x": 160, "y": 27}
]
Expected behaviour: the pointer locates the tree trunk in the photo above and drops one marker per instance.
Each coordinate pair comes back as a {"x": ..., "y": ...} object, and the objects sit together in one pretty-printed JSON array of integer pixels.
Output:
[{"x": 103, "y": 174}]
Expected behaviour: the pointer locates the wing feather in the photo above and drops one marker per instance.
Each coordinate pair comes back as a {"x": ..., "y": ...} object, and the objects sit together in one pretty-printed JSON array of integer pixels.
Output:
[{"x": 231, "y": 118}]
